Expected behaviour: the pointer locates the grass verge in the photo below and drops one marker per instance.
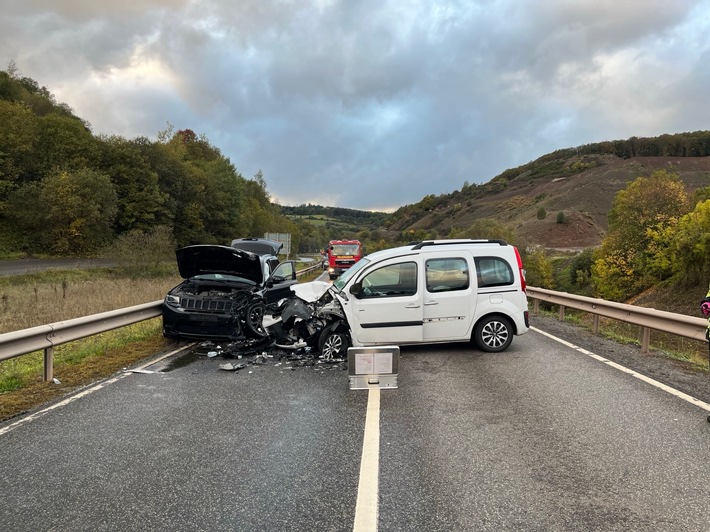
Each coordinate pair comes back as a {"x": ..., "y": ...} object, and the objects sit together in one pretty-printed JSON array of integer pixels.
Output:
[
  {"x": 41, "y": 298},
  {"x": 692, "y": 353},
  {"x": 76, "y": 365}
]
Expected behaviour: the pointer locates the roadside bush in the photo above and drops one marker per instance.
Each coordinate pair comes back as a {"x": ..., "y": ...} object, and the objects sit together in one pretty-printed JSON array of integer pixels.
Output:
[
  {"x": 142, "y": 252},
  {"x": 538, "y": 269}
]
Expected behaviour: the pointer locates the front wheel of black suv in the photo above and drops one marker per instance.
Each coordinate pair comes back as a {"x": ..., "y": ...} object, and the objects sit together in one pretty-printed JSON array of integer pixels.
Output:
[
  {"x": 493, "y": 334},
  {"x": 255, "y": 319}
]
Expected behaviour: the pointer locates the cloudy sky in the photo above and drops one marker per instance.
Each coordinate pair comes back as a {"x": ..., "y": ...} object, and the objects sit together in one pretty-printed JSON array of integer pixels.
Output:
[{"x": 371, "y": 104}]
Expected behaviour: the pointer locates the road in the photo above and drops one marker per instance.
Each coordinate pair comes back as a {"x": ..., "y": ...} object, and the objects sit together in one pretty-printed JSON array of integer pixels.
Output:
[{"x": 541, "y": 437}]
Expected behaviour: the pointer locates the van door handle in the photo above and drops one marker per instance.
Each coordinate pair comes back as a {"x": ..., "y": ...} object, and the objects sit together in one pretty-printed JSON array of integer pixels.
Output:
[
  {"x": 431, "y": 302},
  {"x": 412, "y": 305}
]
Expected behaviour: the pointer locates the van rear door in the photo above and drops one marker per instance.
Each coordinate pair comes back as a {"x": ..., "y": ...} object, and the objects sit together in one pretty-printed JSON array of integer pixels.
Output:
[{"x": 448, "y": 296}]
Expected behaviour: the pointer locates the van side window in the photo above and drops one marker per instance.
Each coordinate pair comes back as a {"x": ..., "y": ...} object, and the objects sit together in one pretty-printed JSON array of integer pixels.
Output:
[
  {"x": 446, "y": 275},
  {"x": 390, "y": 281},
  {"x": 493, "y": 271}
]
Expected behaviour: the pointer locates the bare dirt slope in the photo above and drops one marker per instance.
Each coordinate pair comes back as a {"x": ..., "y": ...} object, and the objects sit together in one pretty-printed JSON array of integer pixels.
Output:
[{"x": 583, "y": 198}]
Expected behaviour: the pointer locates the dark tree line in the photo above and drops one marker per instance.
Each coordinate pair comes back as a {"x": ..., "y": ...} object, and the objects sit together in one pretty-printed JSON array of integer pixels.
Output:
[
  {"x": 64, "y": 190},
  {"x": 364, "y": 219}
]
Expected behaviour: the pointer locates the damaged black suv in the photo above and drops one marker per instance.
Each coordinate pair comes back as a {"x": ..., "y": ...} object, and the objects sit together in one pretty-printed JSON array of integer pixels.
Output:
[{"x": 226, "y": 290}]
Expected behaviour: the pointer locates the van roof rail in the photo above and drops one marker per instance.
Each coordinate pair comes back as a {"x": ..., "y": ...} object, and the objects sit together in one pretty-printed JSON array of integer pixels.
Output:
[{"x": 421, "y": 244}]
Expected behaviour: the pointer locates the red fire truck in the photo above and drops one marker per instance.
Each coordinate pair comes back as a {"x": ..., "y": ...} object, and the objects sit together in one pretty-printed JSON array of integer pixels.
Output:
[{"x": 342, "y": 254}]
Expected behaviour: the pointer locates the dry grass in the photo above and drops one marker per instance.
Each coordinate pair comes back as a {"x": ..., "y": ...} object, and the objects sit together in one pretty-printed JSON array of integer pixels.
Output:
[
  {"x": 32, "y": 300},
  {"x": 691, "y": 352},
  {"x": 38, "y": 299}
]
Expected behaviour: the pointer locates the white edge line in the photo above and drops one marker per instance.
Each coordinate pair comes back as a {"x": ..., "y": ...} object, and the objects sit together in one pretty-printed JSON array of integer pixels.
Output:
[
  {"x": 367, "y": 503},
  {"x": 83, "y": 393},
  {"x": 684, "y": 396}
]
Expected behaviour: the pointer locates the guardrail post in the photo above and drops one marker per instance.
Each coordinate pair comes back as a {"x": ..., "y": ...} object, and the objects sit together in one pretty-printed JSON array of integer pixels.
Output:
[
  {"x": 645, "y": 339},
  {"x": 562, "y": 313},
  {"x": 595, "y": 324},
  {"x": 48, "y": 364},
  {"x": 536, "y": 307}
]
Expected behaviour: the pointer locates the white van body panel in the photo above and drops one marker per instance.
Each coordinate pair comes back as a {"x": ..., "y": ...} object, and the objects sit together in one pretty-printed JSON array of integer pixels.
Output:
[{"x": 437, "y": 293}]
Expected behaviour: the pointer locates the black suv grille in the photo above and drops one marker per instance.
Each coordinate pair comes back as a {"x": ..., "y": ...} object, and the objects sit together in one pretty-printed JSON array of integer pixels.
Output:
[{"x": 206, "y": 305}]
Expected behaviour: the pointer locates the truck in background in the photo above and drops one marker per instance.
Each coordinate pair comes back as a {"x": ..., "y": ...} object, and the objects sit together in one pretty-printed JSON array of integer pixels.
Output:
[{"x": 341, "y": 254}]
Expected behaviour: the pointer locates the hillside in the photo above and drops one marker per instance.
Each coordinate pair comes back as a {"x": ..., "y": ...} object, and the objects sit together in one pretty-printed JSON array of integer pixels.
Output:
[{"x": 580, "y": 187}]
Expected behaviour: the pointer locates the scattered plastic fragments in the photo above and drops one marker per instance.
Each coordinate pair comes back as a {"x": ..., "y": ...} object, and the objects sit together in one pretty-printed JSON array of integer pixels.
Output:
[
  {"x": 229, "y": 366},
  {"x": 291, "y": 341},
  {"x": 56, "y": 381}
]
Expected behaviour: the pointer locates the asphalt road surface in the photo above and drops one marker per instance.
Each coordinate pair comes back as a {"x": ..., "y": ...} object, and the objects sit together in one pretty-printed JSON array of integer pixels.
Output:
[{"x": 541, "y": 437}]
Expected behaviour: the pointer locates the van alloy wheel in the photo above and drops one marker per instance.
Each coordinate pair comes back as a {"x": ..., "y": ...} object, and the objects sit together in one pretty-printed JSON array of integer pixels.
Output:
[
  {"x": 333, "y": 344},
  {"x": 493, "y": 334}
]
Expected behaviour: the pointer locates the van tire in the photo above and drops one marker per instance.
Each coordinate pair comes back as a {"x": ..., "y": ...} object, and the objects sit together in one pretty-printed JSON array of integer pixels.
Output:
[
  {"x": 333, "y": 343},
  {"x": 493, "y": 334}
]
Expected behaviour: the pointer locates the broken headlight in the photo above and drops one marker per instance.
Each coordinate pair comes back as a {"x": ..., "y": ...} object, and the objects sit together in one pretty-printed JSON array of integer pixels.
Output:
[{"x": 173, "y": 301}]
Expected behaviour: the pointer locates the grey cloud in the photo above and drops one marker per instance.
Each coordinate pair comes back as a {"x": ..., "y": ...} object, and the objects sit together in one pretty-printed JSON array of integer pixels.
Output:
[{"x": 371, "y": 103}]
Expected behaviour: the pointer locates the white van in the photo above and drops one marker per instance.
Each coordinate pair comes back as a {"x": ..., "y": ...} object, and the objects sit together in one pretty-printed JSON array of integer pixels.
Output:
[{"x": 428, "y": 292}]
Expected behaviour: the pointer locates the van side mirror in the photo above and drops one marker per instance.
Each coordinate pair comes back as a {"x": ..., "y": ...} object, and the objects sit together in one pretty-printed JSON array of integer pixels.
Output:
[{"x": 355, "y": 289}]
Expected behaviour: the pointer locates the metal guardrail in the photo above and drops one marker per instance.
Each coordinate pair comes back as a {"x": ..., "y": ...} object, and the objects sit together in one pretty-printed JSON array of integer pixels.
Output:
[
  {"x": 646, "y": 318},
  {"x": 47, "y": 337}
]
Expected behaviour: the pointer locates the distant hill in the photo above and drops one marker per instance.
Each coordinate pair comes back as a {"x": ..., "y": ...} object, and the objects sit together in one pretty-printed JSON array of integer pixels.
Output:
[
  {"x": 577, "y": 190},
  {"x": 561, "y": 200},
  {"x": 336, "y": 222}
]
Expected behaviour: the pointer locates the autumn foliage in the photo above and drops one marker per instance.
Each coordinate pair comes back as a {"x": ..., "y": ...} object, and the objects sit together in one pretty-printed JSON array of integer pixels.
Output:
[{"x": 66, "y": 191}]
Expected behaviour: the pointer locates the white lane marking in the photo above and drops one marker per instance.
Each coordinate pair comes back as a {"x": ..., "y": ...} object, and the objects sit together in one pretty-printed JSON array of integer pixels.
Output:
[
  {"x": 82, "y": 393},
  {"x": 367, "y": 503},
  {"x": 685, "y": 397}
]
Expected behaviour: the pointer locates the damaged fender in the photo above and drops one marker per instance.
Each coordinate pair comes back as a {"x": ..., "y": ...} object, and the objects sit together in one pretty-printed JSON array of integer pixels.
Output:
[{"x": 316, "y": 318}]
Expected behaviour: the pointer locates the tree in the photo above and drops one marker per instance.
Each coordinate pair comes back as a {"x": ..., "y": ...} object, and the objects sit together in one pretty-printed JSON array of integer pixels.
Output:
[
  {"x": 538, "y": 269},
  {"x": 701, "y": 194},
  {"x": 541, "y": 213},
  {"x": 65, "y": 213},
  {"x": 17, "y": 137},
  {"x": 141, "y": 203},
  {"x": 142, "y": 251},
  {"x": 685, "y": 246},
  {"x": 625, "y": 263},
  {"x": 63, "y": 142}
]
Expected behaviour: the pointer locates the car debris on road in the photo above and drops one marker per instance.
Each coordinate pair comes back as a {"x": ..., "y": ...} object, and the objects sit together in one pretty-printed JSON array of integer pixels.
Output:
[{"x": 270, "y": 354}]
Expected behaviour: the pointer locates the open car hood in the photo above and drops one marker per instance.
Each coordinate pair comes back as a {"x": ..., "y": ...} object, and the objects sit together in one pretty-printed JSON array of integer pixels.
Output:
[{"x": 204, "y": 259}]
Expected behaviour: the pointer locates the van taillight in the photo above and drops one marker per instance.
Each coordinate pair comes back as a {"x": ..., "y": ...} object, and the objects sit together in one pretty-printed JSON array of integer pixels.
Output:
[{"x": 523, "y": 283}]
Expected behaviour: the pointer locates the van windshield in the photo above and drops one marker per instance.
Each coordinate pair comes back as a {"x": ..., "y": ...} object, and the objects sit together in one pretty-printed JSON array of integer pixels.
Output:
[{"x": 341, "y": 281}]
